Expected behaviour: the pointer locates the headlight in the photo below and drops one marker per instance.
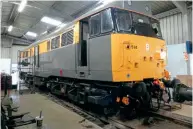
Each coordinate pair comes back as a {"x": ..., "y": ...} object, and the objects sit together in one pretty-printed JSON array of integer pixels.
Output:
[{"x": 163, "y": 55}]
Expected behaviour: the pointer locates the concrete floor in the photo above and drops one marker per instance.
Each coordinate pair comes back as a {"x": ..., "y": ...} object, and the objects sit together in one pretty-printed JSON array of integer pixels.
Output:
[
  {"x": 58, "y": 117},
  {"x": 55, "y": 116},
  {"x": 186, "y": 110}
]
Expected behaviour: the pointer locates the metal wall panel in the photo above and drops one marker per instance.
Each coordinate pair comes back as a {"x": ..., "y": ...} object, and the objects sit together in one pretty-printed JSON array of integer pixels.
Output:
[
  {"x": 11, "y": 53},
  {"x": 190, "y": 21},
  {"x": 14, "y": 51},
  {"x": 173, "y": 28},
  {"x": 5, "y": 52}
]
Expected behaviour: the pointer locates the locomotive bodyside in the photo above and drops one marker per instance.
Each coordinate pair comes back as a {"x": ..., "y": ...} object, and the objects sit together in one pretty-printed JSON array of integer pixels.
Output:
[{"x": 63, "y": 62}]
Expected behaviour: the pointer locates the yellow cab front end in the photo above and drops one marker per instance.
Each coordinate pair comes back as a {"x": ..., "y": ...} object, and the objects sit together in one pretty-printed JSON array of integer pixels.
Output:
[
  {"x": 135, "y": 58},
  {"x": 138, "y": 51}
]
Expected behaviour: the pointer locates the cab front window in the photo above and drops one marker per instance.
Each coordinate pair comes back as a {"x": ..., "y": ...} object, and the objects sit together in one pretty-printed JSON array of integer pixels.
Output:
[
  {"x": 134, "y": 23},
  {"x": 156, "y": 27}
]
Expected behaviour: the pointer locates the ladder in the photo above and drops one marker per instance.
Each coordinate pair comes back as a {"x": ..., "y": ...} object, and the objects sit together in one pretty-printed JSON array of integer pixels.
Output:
[{"x": 25, "y": 65}]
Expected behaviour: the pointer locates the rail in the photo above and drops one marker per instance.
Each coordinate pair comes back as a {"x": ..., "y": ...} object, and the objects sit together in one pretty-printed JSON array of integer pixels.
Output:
[{"x": 157, "y": 117}]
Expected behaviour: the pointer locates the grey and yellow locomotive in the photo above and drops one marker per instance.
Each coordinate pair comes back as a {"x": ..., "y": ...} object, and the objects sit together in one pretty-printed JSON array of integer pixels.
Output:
[{"x": 113, "y": 56}]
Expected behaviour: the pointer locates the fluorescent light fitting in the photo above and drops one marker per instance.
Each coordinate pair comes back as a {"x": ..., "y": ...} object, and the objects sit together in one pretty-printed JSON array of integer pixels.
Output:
[
  {"x": 10, "y": 28},
  {"x": 31, "y": 34},
  {"x": 105, "y": 2},
  {"x": 22, "y": 5},
  {"x": 45, "y": 32},
  {"x": 51, "y": 21},
  {"x": 62, "y": 25}
]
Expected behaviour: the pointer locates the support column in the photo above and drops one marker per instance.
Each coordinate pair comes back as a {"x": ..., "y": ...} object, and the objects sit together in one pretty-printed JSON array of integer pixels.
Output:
[
  {"x": 181, "y": 5},
  {"x": 187, "y": 36}
]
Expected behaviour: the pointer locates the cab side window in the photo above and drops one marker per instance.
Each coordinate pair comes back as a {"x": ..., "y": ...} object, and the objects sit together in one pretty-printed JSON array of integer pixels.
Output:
[
  {"x": 106, "y": 21},
  {"x": 101, "y": 23},
  {"x": 95, "y": 24}
]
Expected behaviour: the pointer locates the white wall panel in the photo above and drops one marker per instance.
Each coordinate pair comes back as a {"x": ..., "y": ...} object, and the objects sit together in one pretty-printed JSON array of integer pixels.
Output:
[
  {"x": 176, "y": 63},
  {"x": 5, "y": 52},
  {"x": 5, "y": 65},
  {"x": 173, "y": 28}
]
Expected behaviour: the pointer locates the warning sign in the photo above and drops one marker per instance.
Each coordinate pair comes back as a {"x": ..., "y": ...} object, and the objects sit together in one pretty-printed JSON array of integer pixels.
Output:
[{"x": 185, "y": 56}]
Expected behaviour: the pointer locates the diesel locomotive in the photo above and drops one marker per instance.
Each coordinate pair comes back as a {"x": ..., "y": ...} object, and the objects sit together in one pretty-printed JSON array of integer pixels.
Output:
[{"x": 111, "y": 58}]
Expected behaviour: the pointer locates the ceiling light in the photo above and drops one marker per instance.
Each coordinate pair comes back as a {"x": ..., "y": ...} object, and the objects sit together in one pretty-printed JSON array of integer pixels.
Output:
[
  {"x": 44, "y": 32},
  {"x": 10, "y": 28},
  {"x": 51, "y": 21},
  {"x": 31, "y": 34},
  {"x": 22, "y": 5},
  {"x": 105, "y": 2},
  {"x": 62, "y": 25}
]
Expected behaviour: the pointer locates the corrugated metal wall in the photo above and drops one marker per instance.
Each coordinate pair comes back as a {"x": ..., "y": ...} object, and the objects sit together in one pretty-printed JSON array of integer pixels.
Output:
[
  {"x": 173, "y": 28},
  {"x": 15, "y": 49},
  {"x": 11, "y": 52},
  {"x": 5, "y": 52}
]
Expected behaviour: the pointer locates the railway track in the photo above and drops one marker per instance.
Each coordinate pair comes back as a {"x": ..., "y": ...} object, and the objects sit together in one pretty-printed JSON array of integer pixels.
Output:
[{"x": 152, "y": 121}]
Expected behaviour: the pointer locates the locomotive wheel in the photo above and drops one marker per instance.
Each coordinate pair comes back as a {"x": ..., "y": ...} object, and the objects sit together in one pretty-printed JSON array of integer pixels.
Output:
[
  {"x": 139, "y": 89},
  {"x": 146, "y": 100},
  {"x": 140, "y": 92}
]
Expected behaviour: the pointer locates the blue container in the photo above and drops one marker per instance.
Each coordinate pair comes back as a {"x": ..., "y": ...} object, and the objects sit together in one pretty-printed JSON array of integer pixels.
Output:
[{"x": 189, "y": 47}]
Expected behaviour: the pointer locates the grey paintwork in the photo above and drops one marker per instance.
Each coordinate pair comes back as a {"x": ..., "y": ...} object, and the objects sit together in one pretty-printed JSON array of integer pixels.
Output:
[
  {"x": 64, "y": 61},
  {"x": 100, "y": 58}
]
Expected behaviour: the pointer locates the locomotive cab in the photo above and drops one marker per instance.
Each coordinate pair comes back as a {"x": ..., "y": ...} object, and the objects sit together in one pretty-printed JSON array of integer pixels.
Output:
[
  {"x": 137, "y": 47},
  {"x": 132, "y": 43}
]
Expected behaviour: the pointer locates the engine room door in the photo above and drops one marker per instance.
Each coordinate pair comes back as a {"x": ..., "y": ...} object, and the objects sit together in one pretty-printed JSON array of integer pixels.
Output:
[
  {"x": 83, "y": 48},
  {"x": 36, "y": 56},
  {"x": 83, "y": 44}
]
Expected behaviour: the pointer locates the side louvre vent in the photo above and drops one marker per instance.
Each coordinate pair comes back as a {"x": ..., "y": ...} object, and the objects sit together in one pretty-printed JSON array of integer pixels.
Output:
[{"x": 70, "y": 37}]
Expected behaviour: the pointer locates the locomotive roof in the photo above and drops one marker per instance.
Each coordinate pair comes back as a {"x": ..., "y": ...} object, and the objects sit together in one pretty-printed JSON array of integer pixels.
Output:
[{"x": 70, "y": 25}]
